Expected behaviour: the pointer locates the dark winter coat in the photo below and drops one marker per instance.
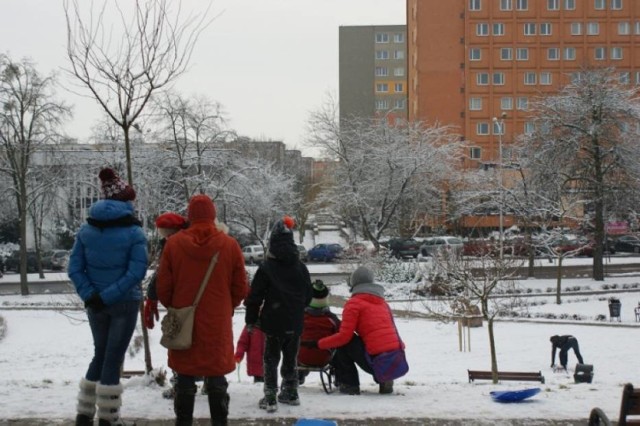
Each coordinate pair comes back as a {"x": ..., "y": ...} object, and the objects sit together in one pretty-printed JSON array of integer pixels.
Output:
[
  {"x": 109, "y": 256},
  {"x": 282, "y": 287},
  {"x": 368, "y": 315},
  {"x": 251, "y": 345},
  {"x": 184, "y": 262},
  {"x": 318, "y": 323}
]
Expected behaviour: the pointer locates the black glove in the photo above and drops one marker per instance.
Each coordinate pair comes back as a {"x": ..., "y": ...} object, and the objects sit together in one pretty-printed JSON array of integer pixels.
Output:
[
  {"x": 311, "y": 344},
  {"x": 95, "y": 302}
]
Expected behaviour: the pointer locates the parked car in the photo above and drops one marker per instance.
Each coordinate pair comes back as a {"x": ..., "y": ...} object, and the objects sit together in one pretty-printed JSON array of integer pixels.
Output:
[
  {"x": 479, "y": 247},
  {"x": 253, "y": 254},
  {"x": 12, "y": 262},
  {"x": 434, "y": 245},
  {"x": 359, "y": 249},
  {"x": 302, "y": 252},
  {"x": 628, "y": 243},
  {"x": 58, "y": 260},
  {"x": 325, "y": 252},
  {"x": 404, "y": 247}
]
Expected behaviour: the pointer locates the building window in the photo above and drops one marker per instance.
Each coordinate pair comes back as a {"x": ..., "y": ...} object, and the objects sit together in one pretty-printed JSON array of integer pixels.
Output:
[
  {"x": 482, "y": 128},
  {"x": 475, "y": 5},
  {"x": 382, "y": 104},
  {"x": 529, "y": 128},
  {"x": 569, "y": 4},
  {"x": 553, "y": 4},
  {"x": 529, "y": 78},
  {"x": 498, "y": 78},
  {"x": 506, "y": 103},
  {"x": 522, "y": 103},
  {"x": 398, "y": 87},
  {"x": 600, "y": 54},
  {"x": 522, "y": 4},
  {"x": 553, "y": 53},
  {"x": 475, "y": 104},
  {"x": 624, "y": 78},
  {"x": 398, "y": 54},
  {"x": 569, "y": 53},
  {"x": 382, "y": 38},
  {"x": 593, "y": 28},
  {"x": 545, "y": 28},
  {"x": 616, "y": 4},
  {"x": 576, "y": 77},
  {"x": 616, "y": 53},
  {"x": 398, "y": 72},
  {"x": 382, "y": 71},
  {"x": 498, "y": 29},
  {"x": 482, "y": 79},
  {"x": 637, "y": 77},
  {"x": 382, "y": 54},
  {"x": 576, "y": 28},
  {"x": 506, "y": 54},
  {"x": 529, "y": 29},
  {"x": 636, "y": 28},
  {"x": 624, "y": 28},
  {"x": 475, "y": 153},
  {"x": 545, "y": 78},
  {"x": 506, "y": 4},
  {"x": 522, "y": 54},
  {"x": 498, "y": 128},
  {"x": 482, "y": 29},
  {"x": 475, "y": 54},
  {"x": 382, "y": 87},
  {"x": 401, "y": 103},
  {"x": 398, "y": 38},
  {"x": 599, "y": 4}
]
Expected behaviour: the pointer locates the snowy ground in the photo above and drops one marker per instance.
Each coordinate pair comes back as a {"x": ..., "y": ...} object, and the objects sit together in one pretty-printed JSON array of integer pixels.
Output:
[{"x": 45, "y": 351}]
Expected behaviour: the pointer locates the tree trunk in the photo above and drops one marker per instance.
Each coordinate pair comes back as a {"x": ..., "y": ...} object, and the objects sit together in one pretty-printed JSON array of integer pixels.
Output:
[
  {"x": 492, "y": 346},
  {"x": 531, "y": 251},
  {"x": 559, "y": 281}
]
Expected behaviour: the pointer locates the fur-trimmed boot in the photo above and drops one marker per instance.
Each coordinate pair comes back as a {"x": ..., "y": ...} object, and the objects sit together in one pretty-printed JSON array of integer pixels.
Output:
[
  {"x": 86, "y": 407},
  {"x": 218, "y": 406},
  {"x": 109, "y": 400},
  {"x": 183, "y": 404}
]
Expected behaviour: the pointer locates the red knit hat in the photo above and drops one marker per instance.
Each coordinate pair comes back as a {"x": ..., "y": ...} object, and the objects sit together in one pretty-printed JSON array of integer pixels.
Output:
[
  {"x": 170, "y": 220},
  {"x": 114, "y": 188},
  {"x": 201, "y": 209}
]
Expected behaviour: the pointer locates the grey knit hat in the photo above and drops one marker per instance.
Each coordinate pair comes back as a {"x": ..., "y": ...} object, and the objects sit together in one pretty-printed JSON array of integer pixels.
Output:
[{"x": 362, "y": 275}]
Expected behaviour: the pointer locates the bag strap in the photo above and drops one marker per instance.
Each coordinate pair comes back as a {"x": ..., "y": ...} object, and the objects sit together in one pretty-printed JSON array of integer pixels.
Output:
[
  {"x": 394, "y": 326},
  {"x": 205, "y": 281}
]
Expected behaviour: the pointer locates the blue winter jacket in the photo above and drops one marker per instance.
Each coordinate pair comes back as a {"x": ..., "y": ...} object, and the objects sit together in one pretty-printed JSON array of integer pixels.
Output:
[{"x": 109, "y": 255}]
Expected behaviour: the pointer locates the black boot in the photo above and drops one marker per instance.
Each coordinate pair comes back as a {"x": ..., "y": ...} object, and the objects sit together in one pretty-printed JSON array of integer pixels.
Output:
[
  {"x": 218, "y": 402},
  {"x": 183, "y": 404}
]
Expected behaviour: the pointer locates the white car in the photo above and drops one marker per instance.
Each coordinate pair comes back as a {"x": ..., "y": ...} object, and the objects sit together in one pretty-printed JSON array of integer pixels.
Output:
[
  {"x": 434, "y": 245},
  {"x": 253, "y": 254}
]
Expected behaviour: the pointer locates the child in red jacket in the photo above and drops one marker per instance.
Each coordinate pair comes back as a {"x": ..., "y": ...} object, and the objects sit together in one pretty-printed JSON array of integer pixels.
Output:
[
  {"x": 319, "y": 322},
  {"x": 251, "y": 342}
]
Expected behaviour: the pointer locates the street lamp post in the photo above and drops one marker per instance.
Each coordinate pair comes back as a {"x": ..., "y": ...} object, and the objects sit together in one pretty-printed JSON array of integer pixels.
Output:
[{"x": 500, "y": 124}]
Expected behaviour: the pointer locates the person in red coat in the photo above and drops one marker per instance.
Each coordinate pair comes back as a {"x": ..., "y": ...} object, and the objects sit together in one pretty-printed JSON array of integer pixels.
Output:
[
  {"x": 185, "y": 259},
  {"x": 367, "y": 328},
  {"x": 251, "y": 343}
]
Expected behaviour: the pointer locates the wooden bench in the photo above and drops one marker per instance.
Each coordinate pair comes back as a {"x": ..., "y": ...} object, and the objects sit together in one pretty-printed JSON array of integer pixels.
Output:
[
  {"x": 506, "y": 375},
  {"x": 629, "y": 407}
]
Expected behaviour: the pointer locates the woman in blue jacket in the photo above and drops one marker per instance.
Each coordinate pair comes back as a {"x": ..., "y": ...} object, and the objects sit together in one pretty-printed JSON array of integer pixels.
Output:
[{"x": 107, "y": 263}]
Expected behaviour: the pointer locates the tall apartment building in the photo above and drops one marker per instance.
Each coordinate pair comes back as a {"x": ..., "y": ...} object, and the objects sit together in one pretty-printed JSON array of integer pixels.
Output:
[
  {"x": 473, "y": 60},
  {"x": 373, "y": 71}
]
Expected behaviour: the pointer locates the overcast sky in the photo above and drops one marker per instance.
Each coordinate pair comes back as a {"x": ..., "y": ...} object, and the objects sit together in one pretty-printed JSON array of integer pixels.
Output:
[{"x": 269, "y": 62}]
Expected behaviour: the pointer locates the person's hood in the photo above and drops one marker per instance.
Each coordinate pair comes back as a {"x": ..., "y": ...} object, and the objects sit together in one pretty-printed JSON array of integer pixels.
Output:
[
  {"x": 283, "y": 249},
  {"x": 200, "y": 240},
  {"x": 107, "y": 210}
]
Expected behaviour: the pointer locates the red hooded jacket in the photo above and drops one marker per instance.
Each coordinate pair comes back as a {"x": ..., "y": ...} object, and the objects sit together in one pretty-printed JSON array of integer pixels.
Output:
[{"x": 251, "y": 344}]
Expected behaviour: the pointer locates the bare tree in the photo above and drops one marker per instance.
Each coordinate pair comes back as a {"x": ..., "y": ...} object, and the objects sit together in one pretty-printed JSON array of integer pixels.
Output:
[
  {"x": 587, "y": 133},
  {"x": 29, "y": 120},
  {"x": 382, "y": 168},
  {"x": 122, "y": 70}
]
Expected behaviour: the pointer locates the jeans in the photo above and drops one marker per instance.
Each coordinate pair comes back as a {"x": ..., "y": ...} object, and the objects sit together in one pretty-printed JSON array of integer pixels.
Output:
[
  {"x": 275, "y": 346},
  {"x": 112, "y": 328},
  {"x": 572, "y": 343},
  {"x": 345, "y": 360}
]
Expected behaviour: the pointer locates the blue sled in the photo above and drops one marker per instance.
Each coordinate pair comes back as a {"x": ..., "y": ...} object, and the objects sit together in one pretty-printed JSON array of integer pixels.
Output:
[
  {"x": 315, "y": 422},
  {"x": 514, "y": 396}
]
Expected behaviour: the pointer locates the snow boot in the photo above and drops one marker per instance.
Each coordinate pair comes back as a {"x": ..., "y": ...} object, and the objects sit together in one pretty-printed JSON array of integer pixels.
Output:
[
  {"x": 183, "y": 404},
  {"x": 269, "y": 401},
  {"x": 109, "y": 400},
  {"x": 386, "y": 387},
  {"x": 218, "y": 406},
  {"x": 289, "y": 396},
  {"x": 86, "y": 407}
]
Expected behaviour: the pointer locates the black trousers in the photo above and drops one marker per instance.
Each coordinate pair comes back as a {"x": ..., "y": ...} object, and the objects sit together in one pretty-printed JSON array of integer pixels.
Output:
[
  {"x": 572, "y": 343},
  {"x": 276, "y": 347},
  {"x": 346, "y": 360}
]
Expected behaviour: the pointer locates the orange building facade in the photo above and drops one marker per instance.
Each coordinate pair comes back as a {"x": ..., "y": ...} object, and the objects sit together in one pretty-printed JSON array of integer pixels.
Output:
[{"x": 472, "y": 60}]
